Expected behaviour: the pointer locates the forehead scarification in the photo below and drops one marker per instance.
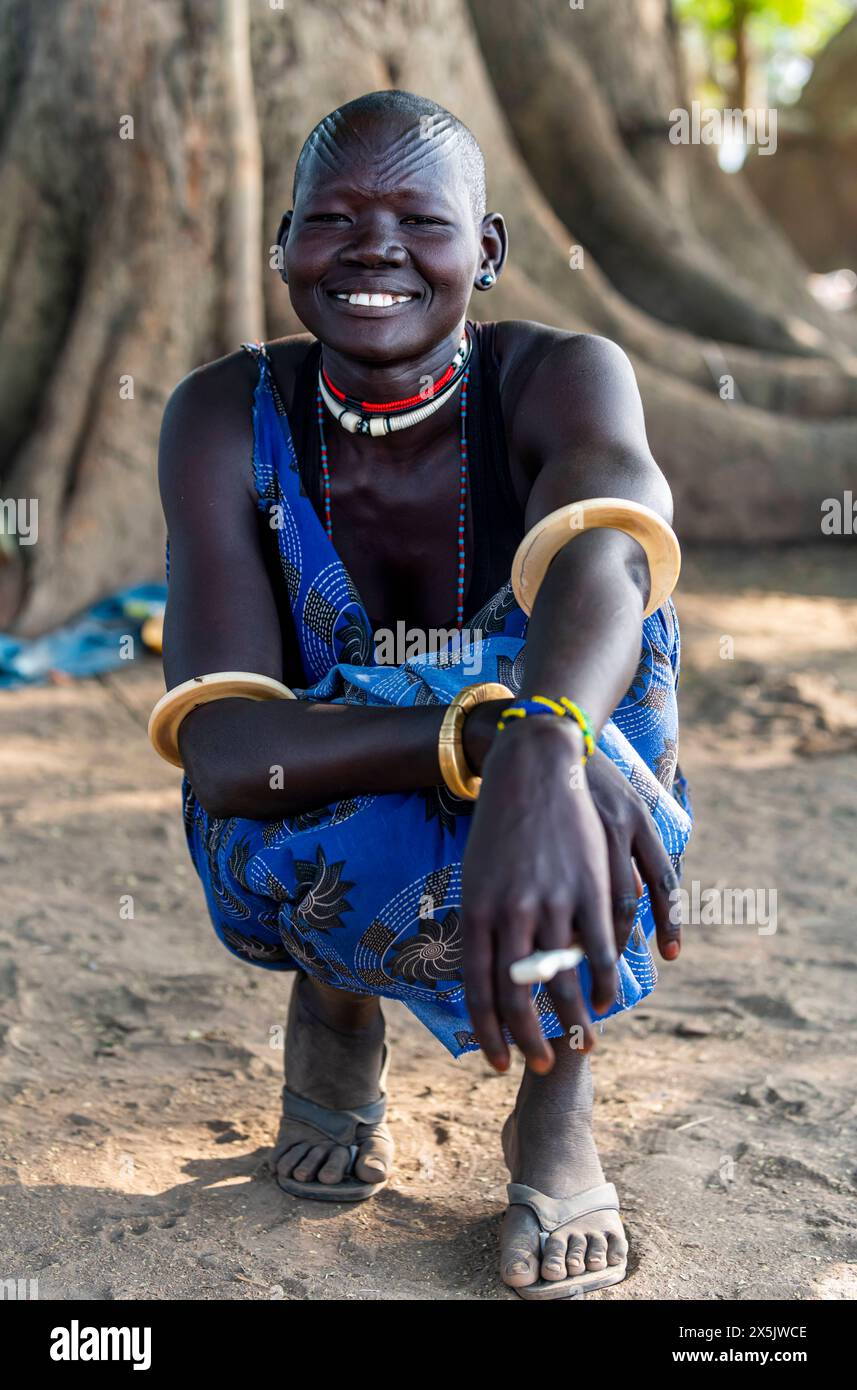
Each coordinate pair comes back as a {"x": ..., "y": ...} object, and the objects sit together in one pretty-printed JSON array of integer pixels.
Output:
[
  {"x": 392, "y": 157},
  {"x": 380, "y": 139}
]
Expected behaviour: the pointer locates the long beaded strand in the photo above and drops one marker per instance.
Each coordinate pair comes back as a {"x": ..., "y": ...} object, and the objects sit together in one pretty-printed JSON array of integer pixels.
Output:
[
  {"x": 462, "y": 490},
  {"x": 325, "y": 467},
  {"x": 462, "y": 501}
]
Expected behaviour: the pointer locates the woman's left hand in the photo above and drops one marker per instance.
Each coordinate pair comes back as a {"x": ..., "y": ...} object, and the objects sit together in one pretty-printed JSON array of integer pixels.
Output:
[{"x": 633, "y": 840}]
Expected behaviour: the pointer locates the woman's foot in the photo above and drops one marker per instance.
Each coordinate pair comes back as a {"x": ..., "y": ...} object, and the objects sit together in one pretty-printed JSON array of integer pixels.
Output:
[
  {"x": 548, "y": 1144},
  {"x": 334, "y": 1055}
]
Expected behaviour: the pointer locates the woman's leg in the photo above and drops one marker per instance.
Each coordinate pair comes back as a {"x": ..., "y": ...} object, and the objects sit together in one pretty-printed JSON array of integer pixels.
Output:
[
  {"x": 334, "y": 1052},
  {"x": 548, "y": 1144}
]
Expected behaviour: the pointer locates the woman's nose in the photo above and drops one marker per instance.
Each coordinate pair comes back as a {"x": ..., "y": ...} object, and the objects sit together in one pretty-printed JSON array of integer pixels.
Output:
[{"x": 375, "y": 243}]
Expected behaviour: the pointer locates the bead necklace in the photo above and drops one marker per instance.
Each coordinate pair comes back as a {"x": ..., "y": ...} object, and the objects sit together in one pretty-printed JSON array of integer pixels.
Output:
[
  {"x": 461, "y": 378},
  {"x": 364, "y": 417}
]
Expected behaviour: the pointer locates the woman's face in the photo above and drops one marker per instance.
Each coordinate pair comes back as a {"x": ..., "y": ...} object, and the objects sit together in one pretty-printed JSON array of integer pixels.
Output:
[{"x": 390, "y": 217}]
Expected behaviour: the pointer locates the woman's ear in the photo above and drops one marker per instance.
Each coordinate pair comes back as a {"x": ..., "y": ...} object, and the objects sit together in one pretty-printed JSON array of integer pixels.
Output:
[
  {"x": 282, "y": 237},
  {"x": 494, "y": 240}
]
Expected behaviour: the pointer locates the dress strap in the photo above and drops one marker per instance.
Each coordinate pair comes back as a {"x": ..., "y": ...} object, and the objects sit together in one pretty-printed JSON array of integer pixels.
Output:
[{"x": 259, "y": 352}]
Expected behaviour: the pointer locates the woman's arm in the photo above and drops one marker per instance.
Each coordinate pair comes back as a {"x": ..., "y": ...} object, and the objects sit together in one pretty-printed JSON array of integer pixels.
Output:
[
  {"x": 222, "y": 615},
  {"x": 536, "y": 868}
]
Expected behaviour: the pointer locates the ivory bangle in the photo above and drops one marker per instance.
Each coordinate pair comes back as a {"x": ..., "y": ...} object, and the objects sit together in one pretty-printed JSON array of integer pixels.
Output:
[
  {"x": 454, "y": 768},
  {"x": 541, "y": 544},
  {"x": 177, "y": 703}
]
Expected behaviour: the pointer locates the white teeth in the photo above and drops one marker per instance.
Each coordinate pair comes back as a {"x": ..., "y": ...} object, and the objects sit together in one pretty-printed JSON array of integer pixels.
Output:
[{"x": 376, "y": 301}]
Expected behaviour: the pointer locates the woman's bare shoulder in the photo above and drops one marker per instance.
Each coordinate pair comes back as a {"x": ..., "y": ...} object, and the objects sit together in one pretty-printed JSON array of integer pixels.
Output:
[
  {"x": 584, "y": 392},
  {"x": 522, "y": 345},
  {"x": 209, "y": 414},
  {"x": 207, "y": 431},
  {"x": 226, "y": 378}
]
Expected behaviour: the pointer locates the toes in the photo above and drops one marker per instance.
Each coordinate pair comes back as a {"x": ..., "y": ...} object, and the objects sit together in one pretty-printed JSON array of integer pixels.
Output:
[
  {"x": 520, "y": 1268},
  {"x": 309, "y": 1165},
  {"x": 519, "y": 1246},
  {"x": 617, "y": 1249},
  {"x": 554, "y": 1257},
  {"x": 596, "y": 1253},
  {"x": 333, "y": 1169},
  {"x": 373, "y": 1160},
  {"x": 575, "y": 1257},
  {"x": 331, "y": 1163},
  {"x": 288, "y": 1160}
]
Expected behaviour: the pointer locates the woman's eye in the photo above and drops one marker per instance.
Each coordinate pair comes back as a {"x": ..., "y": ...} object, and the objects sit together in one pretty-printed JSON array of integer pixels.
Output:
[
  {"x": 326, "y": 217},
  {"x": 417, "y": 217}
]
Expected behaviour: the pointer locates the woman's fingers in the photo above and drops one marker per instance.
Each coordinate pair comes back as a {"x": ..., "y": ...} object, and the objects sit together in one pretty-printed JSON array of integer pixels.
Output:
[
  {"x": 594, "y": 925},
  {"x": 490, "y": 947},
  {"x": 638, "y": 882},
  {"x": 479, "y": 947},
  {"x": 514, "y": 1002},
  {"x": 624, "y": 893},
  {"x": 564, "y": 989},
  {"x": 662, "y": 881}
]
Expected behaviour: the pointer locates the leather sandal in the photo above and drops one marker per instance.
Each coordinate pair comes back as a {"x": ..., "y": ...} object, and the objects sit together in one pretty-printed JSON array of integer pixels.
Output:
[
  {"x": 553, "y": 1212},
  {"x": 350, "y": 1128}
]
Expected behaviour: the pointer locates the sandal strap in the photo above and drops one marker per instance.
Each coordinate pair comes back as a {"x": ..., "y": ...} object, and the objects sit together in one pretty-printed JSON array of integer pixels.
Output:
[
  {"x": 339, "y": 1125},
  {"x": 552, "y": 1212}
]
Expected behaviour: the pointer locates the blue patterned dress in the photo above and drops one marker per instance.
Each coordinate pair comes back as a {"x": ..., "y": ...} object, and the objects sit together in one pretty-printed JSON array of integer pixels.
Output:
[{"x": 365, "y": 893}]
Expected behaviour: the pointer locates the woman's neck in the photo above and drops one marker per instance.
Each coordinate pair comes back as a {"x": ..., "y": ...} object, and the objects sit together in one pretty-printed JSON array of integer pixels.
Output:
[{"x": 389, "y": 381}]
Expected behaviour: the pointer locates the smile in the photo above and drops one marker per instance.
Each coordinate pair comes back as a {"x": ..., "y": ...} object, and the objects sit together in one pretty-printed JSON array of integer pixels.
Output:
[{"x": 360, "y": 299}]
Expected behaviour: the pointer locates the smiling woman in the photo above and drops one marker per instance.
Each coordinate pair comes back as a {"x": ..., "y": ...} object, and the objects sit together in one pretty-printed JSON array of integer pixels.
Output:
[
  {"x": 384, "y": 468},
  {"x": 373, "y": 301}
]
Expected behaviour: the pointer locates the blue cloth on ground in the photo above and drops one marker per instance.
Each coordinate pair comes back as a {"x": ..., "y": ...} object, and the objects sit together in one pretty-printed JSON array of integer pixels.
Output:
[{"x": 87, "y": 644}]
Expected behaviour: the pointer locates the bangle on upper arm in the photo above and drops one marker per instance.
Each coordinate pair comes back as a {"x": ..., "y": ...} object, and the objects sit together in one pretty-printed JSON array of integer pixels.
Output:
[
  {"x": 177, "y": 703},
  {"x": 542, "y": 543}
]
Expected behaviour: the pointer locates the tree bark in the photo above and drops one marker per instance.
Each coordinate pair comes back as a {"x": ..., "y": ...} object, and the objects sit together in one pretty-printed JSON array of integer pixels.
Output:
[
  {"x": 536, "y": 56},
  {"x": 810, "y": 187},
  {"x": 244, "y": 306},
  {"x": 128, "y": 262}
]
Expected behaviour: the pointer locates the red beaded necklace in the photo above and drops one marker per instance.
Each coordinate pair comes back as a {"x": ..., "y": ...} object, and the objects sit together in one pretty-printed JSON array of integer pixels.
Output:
[
  {"x": 389, "y": 406},
  {"x": 393, "y": 406}
]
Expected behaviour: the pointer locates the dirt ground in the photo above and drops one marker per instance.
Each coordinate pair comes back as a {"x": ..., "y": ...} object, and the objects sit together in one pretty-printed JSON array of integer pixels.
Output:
[{"x": 139, "y": 1065}]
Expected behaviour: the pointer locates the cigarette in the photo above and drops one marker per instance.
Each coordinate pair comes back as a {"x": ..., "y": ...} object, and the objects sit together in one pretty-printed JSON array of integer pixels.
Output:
[{"x": 541, "y": 966}]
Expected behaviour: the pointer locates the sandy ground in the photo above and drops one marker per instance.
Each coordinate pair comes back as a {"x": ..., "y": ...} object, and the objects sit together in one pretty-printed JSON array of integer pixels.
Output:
[{"x": 139, "y": 1065}]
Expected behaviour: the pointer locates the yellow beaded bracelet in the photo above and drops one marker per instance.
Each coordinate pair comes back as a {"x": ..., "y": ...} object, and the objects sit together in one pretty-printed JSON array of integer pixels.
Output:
[{"x": 539, "y": 704}]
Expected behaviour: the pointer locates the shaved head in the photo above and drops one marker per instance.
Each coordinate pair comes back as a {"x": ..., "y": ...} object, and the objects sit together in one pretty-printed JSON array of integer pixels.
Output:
[
  {"x": 389, "y": 199},
  {"x": 430, "y": 133}
]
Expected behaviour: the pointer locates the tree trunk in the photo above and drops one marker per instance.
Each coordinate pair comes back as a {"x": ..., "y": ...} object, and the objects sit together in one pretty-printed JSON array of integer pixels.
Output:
[
  {"x": 244, "y": 307},
  {"x": 107, "y": 260},
  {"x": 810, "y": 187},
  {"x": 740, "y": 95},
  {"x": 573, "y": 143},
  {"x": 126, "y": 262}
]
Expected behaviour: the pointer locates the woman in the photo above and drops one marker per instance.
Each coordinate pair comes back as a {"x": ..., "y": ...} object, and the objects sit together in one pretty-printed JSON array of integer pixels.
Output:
[{"x": 332, "y": 493}]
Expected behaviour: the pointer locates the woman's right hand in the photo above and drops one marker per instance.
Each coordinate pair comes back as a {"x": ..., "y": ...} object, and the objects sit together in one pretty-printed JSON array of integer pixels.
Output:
[{"x": 635, "y": 851}]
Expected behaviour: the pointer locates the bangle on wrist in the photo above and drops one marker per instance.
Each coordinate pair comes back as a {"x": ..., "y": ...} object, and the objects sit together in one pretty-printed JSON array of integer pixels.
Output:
[
  {"x": 560, "y": 709},
  {"x": 454, "y": 768}
]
